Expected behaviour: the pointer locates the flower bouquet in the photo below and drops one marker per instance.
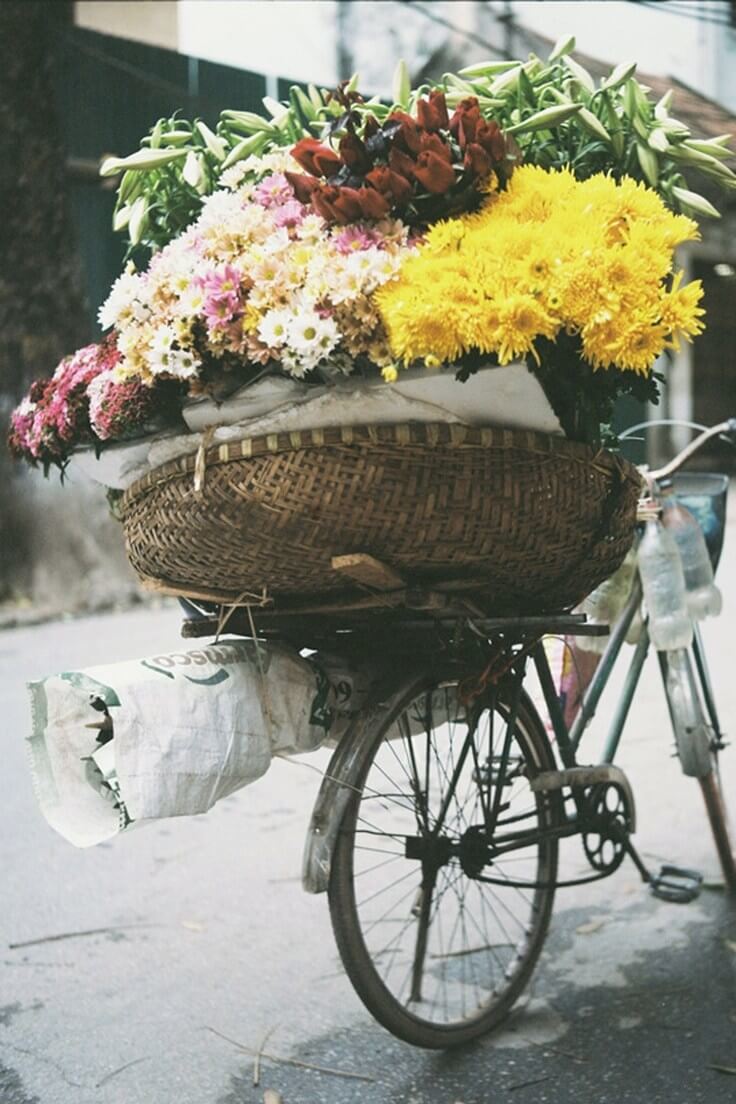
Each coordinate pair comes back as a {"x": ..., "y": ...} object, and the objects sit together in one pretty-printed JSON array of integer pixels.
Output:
[{"x": 512, "y": 213}]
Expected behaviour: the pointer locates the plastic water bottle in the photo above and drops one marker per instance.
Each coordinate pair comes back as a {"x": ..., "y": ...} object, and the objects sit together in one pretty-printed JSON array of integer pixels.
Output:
[
  {"x": 663, "y": 583},
  {"x": 603, "y": 605},
  {"x": 703, "y": 596}
]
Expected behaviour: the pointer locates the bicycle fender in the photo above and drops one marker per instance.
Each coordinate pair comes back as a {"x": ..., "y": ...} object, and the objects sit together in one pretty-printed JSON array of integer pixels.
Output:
[{"x": 341, "y": 778}]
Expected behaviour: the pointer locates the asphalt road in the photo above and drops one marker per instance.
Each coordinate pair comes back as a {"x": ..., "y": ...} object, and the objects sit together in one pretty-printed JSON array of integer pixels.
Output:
[{"x": 204, "y": 941}]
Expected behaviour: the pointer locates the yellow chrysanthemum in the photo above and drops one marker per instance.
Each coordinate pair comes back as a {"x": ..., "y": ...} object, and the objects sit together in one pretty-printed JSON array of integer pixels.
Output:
[
  {"x": 680, "y": 310},
  {"x": 550, "y": 254},
  {"x": 251, "y": 319}
]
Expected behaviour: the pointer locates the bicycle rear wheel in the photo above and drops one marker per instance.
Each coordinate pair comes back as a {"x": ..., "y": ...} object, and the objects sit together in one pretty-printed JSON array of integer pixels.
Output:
[{"x": 437, "y": 955}]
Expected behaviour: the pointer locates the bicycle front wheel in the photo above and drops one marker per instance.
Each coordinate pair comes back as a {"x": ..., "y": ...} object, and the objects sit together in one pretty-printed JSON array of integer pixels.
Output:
[
  {"x": 436, "y": 954},
  {"x": 698, "y": 746}
]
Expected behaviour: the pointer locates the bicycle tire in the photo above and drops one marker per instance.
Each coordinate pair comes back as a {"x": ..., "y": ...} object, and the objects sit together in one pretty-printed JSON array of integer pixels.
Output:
[
  {"x": 416, "y": 1024},
  {"x": 715, "y": 807},
  {"x": 710, "y": 783},
  {"x": 701, "y": 762}
]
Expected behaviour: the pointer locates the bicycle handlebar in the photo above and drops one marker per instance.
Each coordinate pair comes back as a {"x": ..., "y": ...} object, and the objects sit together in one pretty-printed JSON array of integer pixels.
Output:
[{"x": 723, "y": 428}]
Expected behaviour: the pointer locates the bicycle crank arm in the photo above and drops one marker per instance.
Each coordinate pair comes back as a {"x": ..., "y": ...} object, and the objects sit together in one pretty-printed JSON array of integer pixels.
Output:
[{"x": 580, "y": 777}]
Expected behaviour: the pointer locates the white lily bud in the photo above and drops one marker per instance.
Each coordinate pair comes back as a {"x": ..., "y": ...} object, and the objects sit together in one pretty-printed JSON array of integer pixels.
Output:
[
  {"x": 254, "y": 144},
  {"x": 696, "y": 203},
  {"x": 618, "y": 75},
  {"x": 121, "y": 218},
  {"x": 562, "y": 47},
  {"x": 274, "y": 108},
  {"x": 213, "y": 142},
  {"x": 658, "y": 140},
  {"x": 192, "y": 170},
  {"x": 141, "y": 159},
  {"x": 582, "y": 76},
  {"x": 247, "y": 121},
  {"x": 546, "y": 119},
  {"x": 138, "y": 219},
  {"x": 401, "y": 85}
]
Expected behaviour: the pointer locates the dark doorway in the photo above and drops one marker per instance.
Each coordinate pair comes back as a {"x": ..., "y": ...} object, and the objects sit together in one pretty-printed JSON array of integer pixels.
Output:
[{"x": 714, "y": 363}]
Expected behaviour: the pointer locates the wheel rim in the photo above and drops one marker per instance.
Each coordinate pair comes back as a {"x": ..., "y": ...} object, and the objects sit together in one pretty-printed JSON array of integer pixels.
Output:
[{"x": 446, "y": 948}]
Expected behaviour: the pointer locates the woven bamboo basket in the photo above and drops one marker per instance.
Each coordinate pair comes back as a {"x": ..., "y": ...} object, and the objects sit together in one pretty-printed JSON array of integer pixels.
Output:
[{"x": 523, "y": 522}]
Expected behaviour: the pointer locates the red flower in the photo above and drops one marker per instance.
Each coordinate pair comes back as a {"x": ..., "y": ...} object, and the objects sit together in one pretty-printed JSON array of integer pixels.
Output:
[
  {"x": 464, "y": 123},
  {"x": 317, "y": 159},
  {"x": 434, "y": 173},
  {"x": 340, "y": 205},
  {"x": 489, "y": 136},
  {"x": 408, "y": 136},
  {"x": 373, "y": 204},
  {"x": 371, "y": 126},
  {"x": 391, "y": 184},
  {"x": 477, "y": 160},
  {"x": 302, "y": 185},
  {"x": 401, "y": 163},
  {"x": 434, "y": 143},
  {"x": 432, "y": 113},
  {"x": 354, "y": 154}
]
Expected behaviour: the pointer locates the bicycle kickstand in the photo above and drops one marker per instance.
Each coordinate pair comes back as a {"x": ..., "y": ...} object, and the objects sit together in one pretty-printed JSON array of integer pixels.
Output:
[{"x": 673, "y": 883}]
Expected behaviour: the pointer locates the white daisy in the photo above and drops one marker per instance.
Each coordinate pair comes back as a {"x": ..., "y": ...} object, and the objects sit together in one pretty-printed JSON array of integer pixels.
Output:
[{"x": 273, "y": 328}]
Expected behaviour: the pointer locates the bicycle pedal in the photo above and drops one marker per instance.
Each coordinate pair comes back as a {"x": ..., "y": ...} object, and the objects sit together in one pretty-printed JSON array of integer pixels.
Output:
[{"x": 673, "y": 883}]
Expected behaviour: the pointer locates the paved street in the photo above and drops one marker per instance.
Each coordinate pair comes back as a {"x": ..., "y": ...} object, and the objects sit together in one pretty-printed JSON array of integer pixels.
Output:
[{"x": 205, "y": 941}]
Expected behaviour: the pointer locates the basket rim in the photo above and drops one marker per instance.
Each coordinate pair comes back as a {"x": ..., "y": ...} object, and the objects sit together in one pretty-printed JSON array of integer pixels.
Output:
[{"x": 448, "y": 434}]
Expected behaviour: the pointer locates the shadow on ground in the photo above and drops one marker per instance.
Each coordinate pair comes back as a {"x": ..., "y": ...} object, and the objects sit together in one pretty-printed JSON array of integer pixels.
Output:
[{"x": 661, "y": 1029}]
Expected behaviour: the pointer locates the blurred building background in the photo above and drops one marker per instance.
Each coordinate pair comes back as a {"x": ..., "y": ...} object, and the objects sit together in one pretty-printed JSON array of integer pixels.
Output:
[{"x": 81, "y": 81}]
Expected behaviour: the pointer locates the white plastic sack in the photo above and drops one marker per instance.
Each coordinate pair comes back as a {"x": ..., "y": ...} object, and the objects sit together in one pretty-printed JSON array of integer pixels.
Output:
[
  {"x": 510, "y": 397},
  {"x": 188, "y": 728}
]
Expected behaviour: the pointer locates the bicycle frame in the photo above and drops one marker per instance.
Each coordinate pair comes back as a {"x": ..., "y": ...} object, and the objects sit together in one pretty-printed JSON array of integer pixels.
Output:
[
  {"x": 353, "y": 750},
  {"x": 528, "y": 632},
  {"x": 568, "y": 740}
]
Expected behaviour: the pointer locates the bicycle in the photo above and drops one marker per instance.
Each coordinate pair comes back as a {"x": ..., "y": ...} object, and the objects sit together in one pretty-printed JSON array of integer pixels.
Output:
[
  {"x": 454, "y": 777},
  {"x": 436, "y": 829}
]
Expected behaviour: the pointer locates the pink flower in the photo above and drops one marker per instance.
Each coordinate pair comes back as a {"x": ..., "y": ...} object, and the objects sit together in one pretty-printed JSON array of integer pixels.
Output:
[
  {"x": 54, "y": 417},
  {"x": 119, "y": 409},
  {"x": 355, "y": 238},
  {"x": 222, "y": 302},
  {"x": 220, "y": 310},
  {"x": 223, "y": 280},
  {"x": 290, "y": 213},
  {"x": 273, "y": 191}
]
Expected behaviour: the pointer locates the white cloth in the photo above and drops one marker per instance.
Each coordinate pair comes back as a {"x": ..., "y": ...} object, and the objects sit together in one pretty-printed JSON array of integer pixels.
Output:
[{"x": 511, "y": 397}]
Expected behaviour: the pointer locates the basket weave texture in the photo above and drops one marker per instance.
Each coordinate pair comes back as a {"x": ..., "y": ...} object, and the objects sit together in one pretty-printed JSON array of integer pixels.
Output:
[{"x": 522, "y": 521}]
